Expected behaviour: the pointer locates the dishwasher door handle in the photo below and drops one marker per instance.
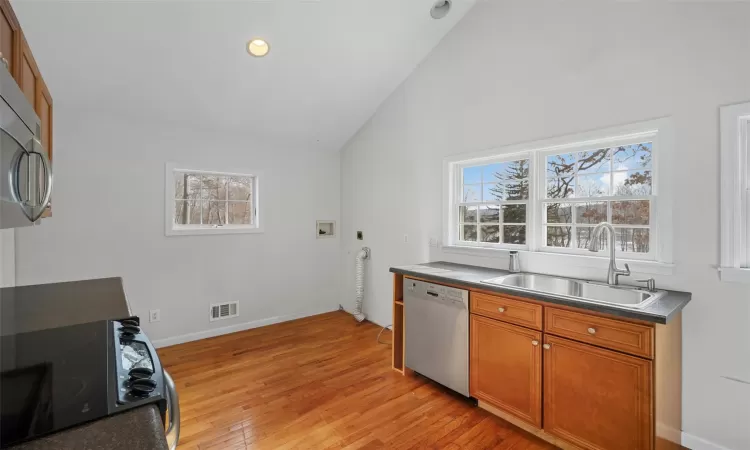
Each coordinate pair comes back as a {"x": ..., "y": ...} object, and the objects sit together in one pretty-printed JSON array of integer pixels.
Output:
[{"x": 434, "y": 294}]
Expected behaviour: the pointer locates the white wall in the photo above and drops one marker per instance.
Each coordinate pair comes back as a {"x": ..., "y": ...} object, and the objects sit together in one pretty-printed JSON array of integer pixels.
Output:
[
  {"x": 108, "y": 220},
  {"x": 518, "y": 71}
]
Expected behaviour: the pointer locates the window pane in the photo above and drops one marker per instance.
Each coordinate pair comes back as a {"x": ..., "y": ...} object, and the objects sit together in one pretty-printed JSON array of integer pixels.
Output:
[
  {"x": 240, "y": 188},
  {"x": 585, "y": 234},
  {"x": 561, "y": 165},
  {"x": 506, "y": 171},
  {"x": 186, "y": 185},
  {"x": 180, "y": 212},
  {"x": 636, "y": 156},
  {"x": 468, "y": 233},
  {"x": 513, "y": 190},
  {"x": 214, "y": 212},
  {"x": 596, "y": 161},
  {"x": 472, "y": 193},
  {"x": 559, "y": 213},
  {"x": 239, "y": 213},
  {"x": 558, "y": 236},
  {"x": 593, "y": 185},
  {"x": 634, "y": 212},
  {"x": 467, "y": 213},
  {"x": 514, "y": 234},
  {"x": 560, "y": 187},
  {"x": 634, "y": 240},
  {"x": 489, "y": 214},
  {"x": 472, "y": 175},
  {"x": 514, "y": 213},
  {"x": 593, "y": 213},
  {"x": 634, "y": 182},
  {"x": 213, "y": 188},
  {"x": 491, "y": 233}
]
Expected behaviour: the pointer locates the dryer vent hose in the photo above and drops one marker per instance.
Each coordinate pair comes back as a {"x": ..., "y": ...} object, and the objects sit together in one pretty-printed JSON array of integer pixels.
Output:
[{"x": 359, "y": 285}]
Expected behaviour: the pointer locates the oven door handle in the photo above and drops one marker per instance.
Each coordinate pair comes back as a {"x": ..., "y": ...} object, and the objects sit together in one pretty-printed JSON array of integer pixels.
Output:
[{"x": 173, "y": 405}]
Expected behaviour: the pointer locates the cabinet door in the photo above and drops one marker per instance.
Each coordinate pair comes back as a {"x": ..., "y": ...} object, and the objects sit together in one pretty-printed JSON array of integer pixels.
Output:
[
  {"x": 596, "y": 398},
  {"x": 506, "y": 367},
  {"x": 28, "y": 74},
  {"x": 43, "y": 109},
  {"x": 9, "y": 33}
]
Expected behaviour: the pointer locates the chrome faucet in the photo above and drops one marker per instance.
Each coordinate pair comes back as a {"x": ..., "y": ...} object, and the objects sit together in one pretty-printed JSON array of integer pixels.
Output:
[{"x": 613, "y": 273}]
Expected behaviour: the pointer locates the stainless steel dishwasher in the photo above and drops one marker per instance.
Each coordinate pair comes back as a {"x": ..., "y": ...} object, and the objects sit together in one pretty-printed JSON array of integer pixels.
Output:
[{"x": 437, "y": 333}]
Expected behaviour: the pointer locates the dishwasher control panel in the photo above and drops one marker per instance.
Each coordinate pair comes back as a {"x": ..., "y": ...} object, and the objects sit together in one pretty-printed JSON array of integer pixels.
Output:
[{"x": 437, "y": 292}]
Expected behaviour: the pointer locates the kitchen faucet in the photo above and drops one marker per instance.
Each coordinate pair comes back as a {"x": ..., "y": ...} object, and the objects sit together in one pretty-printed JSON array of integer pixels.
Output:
[{"x": 613, "y": 273}]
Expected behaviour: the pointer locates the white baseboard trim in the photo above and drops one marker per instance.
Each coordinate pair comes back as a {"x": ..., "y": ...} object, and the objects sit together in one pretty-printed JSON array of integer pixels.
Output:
[
  {"x": 181, "y": 339},
  {"x": 696, "y": 443},
  {"x": 668, "y": 433}
]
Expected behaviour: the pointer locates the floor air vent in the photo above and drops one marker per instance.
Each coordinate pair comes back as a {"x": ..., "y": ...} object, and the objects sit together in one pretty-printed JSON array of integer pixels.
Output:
[{"x": 224, "y": 310}]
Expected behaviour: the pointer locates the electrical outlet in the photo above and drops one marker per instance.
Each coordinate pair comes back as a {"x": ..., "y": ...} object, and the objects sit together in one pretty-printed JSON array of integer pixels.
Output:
[
  {"x": 434, "y": 243},
  {"x": 154, "y": 315},
  {"x": 406, "y": 238}
]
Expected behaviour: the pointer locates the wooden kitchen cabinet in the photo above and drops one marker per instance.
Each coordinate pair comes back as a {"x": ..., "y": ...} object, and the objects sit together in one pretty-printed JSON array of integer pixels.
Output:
[
  {"x": 9, "y": 34},
  {"x": 505, "y": 367},
  {"x": 597, "y": 398}
]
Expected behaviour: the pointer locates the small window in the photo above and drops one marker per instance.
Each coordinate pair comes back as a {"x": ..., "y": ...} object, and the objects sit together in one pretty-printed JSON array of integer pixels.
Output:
[
  {"x": 205, "y": 202},
  {"x": 494, "y": 201},
  {"x": 735, "y": 193}
]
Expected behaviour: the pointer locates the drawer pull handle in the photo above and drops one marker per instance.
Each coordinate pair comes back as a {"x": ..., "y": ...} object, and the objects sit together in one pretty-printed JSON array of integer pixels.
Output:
[
  {"x": 546, "y": 346},
  {"x": 534, "y": 342},
  {"x": 501, "y": 309},
  {"x": 592, "y": 330}
]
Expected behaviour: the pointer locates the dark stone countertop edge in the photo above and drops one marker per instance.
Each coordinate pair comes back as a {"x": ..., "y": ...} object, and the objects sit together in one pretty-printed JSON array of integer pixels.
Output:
[{"x": 661, "y": 311}]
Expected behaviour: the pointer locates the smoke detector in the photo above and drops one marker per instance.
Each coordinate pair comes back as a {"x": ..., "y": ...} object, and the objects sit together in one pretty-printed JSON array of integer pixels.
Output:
[{"x": 440, "y": 9}]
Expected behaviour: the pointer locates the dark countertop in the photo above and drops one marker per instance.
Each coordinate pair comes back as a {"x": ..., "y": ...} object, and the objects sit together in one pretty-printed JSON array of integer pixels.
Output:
[
  {"x": 42, "y": 306},
  {"x": 39, "y": 307},
  {"x": 137, "y": 429},
  {"x": 660, "y": 311}
]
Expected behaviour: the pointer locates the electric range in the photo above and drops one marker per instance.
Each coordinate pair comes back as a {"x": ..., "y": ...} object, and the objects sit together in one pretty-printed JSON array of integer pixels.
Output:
[{"x": 56, "y": 378}]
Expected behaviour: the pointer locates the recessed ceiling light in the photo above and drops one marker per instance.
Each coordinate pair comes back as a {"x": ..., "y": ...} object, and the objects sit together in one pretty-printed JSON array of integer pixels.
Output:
[
  {"x": 258, "y": 47},
  {"x": 440, "y": 9}
]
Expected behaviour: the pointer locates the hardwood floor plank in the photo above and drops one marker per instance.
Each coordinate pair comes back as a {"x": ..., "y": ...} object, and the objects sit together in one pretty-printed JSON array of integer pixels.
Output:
[{"x": 321, "y": 382}]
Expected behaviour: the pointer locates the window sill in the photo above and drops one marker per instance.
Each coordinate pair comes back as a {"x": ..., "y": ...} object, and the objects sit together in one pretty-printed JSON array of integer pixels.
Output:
[
  {"x": 208, "y": 231},
  {"x": 734, "y": 274},
  {"x": 546, "y": 262}
]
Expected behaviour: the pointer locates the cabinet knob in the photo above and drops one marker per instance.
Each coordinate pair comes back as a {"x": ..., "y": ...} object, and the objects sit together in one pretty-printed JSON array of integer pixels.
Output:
[
  {"x": 501, "y": 309},
  {"x": 546, "y": 346},
  {"x": 534, "y": 342},
  {"x": 4, "y": 60},
  {"x": 592, "y": 330}
]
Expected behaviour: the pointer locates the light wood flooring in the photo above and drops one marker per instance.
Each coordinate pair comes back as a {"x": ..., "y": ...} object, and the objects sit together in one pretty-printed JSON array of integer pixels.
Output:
[{"x": 321, "y": 382}]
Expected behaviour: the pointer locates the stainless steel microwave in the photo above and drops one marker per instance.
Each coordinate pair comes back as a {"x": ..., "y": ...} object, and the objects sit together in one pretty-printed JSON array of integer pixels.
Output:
[{"x": 25, "y": 170}]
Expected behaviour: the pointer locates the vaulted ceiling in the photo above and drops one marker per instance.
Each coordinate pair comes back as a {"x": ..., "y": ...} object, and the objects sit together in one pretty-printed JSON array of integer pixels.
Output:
[{"x": 332, "y": 62}]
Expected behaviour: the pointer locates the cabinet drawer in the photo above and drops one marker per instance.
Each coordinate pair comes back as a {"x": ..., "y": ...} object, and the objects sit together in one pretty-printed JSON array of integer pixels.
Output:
[
  {"x": 507, "y": 310},
  {"x": 614, "y": 334}
]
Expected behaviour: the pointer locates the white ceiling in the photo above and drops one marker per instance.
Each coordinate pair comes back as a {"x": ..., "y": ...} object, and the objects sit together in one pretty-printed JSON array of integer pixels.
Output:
[{"x": 332, "y": 62}]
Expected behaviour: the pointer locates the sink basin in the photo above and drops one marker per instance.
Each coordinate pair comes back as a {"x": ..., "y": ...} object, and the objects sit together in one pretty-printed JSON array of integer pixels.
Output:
[{"x": 627, "y": 296}]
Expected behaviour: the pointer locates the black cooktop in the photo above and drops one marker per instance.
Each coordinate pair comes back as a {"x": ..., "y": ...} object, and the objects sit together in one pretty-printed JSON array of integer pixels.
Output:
[{"x": 57, "y": 378}]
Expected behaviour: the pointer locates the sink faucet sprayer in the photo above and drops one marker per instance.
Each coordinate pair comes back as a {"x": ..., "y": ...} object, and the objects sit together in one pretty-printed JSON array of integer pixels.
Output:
[{"x": 613, "y": 273}]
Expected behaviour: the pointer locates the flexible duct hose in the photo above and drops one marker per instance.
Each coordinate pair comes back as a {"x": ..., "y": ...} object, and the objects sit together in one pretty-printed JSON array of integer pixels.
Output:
[{"x": 360, "y": 283}]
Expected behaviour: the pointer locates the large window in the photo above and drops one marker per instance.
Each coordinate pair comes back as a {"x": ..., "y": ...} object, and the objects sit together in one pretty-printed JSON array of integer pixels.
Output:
[
  {"x": 204, "y": 202},
  {"x": 548, "y": 196},
  {"x": 735, "y": 193}
]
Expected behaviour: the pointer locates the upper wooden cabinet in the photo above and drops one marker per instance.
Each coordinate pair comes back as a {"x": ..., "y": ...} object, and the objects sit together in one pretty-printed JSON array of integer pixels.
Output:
[
  {"x": 595, "y": 398},
  {"x": 9, "y": 36},
  {"x": 23, "y": 67},
  {"x": 506, "y": 367}
]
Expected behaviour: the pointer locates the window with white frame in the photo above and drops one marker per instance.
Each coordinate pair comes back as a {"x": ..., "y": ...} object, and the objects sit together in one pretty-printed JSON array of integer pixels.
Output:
[
  {"x": 204, "y": 202},
  {"x": 607, "y": 184},
  {"x": 735, "y": 193},
  {"x": 494, "y": 199},
  {"x": 548, "y": 196}
]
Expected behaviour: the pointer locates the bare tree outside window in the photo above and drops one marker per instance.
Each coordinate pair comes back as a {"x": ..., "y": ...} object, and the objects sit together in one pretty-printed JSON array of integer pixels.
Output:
[{"x": 213, "y": 200}]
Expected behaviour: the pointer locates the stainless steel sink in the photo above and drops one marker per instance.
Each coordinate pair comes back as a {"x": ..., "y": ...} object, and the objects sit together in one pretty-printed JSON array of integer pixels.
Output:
[{"x": 627, "y": 296}]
